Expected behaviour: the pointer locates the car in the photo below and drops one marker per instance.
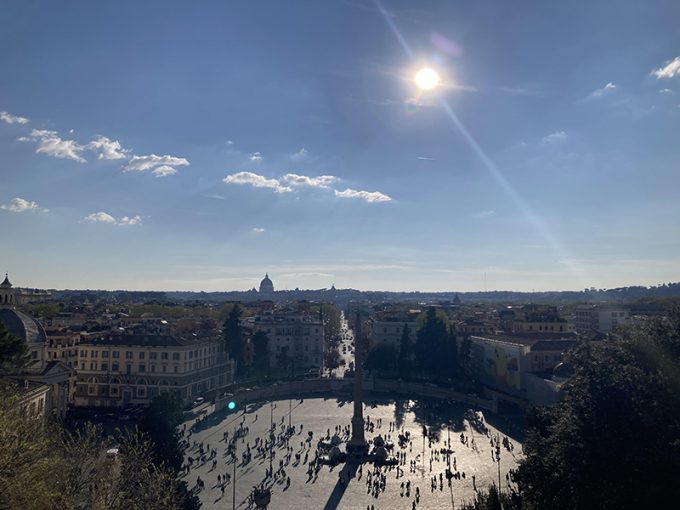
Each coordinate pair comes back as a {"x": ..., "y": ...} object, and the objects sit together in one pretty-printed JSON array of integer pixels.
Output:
[{"x": 198, "y": 401}]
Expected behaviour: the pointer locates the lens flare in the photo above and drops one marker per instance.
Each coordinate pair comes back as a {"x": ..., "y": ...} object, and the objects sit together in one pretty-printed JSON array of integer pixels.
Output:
[{"x": 427, "y": 78}]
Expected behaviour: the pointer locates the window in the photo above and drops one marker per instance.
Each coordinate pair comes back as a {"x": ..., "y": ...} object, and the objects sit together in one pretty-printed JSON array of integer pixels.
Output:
[
  {"x": 142, "y": 367},
  {"x": 175, "y": 356},
  {"x": 83, "y": 353},
  {"x": 153, "y": 368},
  {"x": 128, "y": 354},
  {"x": 164, "y": 355},
  {"x": 176, "y": 367},
  {"x": 95, "y": 354},
  {"x": 82, "y": 366},
  {"x": 93, "y": 365},
  {"x": 115, "y": 354},
  {"x": 114, "y": 391},
  {"x": 105, "y": 354},
  {"x": 141, "y": 392},
  {"x": 114, "y": 367},
  {"x": 141, "y": 355},
  {"x": 164, "y": 368},
  {"x": 105, "y": 366},
  {"x": 153, "y": 355},
  {"x": 128, "y": 369}
]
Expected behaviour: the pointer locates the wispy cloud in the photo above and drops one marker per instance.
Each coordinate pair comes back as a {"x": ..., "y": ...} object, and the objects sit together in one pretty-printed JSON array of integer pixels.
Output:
[
  {"x": 300, "y": 155},
  {"x": 107, "y": 148},
  {"x": 322, "y": 181},
  {"x": 19, "y": 205},
  {"x": 557, "y": 136},
  {"x": 425, "y": 158},
  {"x": 368, "y": 196},
  {"x": 670, "y": 69},
  {"x": 257, "y": 230},
  {"x": 257, "y": 181},
  {"x": 485, "y": 214},
  {"x": 8, "y": 118},
  {"x": 160, "y": 166},
  {"x": 51, "y": 144},
  {"x": 520, "y": 91},
  {"x": 665, "y": 91},
  {"x": 255, "y": 156},
  {"x": 102, "y": 217},
  {"x": 607, "y": 89}
]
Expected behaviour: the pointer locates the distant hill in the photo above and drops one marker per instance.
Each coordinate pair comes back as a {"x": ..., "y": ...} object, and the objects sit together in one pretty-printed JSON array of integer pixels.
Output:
[{"x": 342, "y": 296}]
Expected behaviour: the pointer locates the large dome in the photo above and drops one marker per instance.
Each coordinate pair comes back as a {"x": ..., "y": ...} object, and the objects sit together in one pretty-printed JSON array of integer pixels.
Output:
[
  {"x": 266, "y": 285},
  {"x": 21, "y": 325}
]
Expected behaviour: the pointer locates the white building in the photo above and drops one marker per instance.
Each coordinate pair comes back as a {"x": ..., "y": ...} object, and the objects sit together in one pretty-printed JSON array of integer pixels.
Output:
[
  {"x": 389, "y": 330},
  {"x": 602, "y": 318},
  {"x": 296, "y": 339},
  {"x": 121, "y": 370}
]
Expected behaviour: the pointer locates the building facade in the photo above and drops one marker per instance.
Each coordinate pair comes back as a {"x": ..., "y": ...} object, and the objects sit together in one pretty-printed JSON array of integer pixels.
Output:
[
  {"x": 294, "y": 339},
  {"x": 123, "y": 370},
  {"x": 601, "y": 318}
]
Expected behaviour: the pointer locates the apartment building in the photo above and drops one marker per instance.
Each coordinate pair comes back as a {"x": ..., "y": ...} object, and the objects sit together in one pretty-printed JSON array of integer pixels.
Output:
[{"x": 120, "y": 370}]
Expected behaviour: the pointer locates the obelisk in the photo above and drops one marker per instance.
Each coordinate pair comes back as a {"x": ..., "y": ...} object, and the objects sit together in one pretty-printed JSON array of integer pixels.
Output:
[{"x": 357, "y": 446}]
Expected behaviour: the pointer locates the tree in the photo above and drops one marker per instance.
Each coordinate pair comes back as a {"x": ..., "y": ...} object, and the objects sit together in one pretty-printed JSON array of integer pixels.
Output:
[
  {"x": 332, "y": 359},
  {"x": 260, "y": 354},
  {"x": 233, "y": 335},
  {"x": 383, "y": 358},
  {"x": 436, "y": 350},
  {"x": 614, "y": 440},
  {"x": 406, "y": 355},
  {"x": 160, "y": 423},
  {"x": 13, "y": 350}
]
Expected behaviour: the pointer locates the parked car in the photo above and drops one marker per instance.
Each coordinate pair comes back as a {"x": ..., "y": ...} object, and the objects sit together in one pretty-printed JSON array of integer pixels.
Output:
[{"x": 198, "y": 401}]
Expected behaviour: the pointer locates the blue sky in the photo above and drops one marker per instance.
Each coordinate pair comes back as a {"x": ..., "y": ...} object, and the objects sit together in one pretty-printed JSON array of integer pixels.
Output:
[{"x": 194, "y": 146}]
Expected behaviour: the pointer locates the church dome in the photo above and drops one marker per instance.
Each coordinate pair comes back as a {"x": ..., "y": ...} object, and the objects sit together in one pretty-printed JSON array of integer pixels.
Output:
[
  {"x": 21, "y": 325},
  {"x": 266, "y": 285}
]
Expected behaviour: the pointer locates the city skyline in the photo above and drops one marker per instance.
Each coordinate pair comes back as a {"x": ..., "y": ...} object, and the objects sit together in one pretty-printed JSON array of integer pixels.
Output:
[{"x": 187, "y": 149}]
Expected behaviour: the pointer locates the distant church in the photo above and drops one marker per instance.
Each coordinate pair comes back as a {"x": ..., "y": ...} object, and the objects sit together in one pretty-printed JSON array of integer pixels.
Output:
[{"x": 266, "y": 288}]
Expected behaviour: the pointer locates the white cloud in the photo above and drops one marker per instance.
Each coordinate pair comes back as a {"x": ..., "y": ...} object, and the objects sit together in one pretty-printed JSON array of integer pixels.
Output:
[
  {"x": 258, "y": 181},
  {"x": 300, "y": 155},
  {"x": 125, "y": 220},
  {"x": 257, "y": 230},
  {"x": 368, "y": 196},
  {"x": 18, "y": 205},
  {"x": 425, "y": 158},
  {"x": 322, "y": 181},
  {"x": 255, "y": 156},
  {"x": 107, "y": 148},
  {"x": 51, "y": 144},
  {"x": 665, "y": 91},
  {"x": 12, "y": 119},
  {"x": 164, "y": 171},
  {"x": 669, "y": 70},
  {"x": 609, "y": 87},
  {"x": 485, "y": 214},
  {"x": 557, "y": 136},
  {"x": 160, "y": 165},
  {"x": 230, "y": 142},
  {"x": 102, "y": 217}
]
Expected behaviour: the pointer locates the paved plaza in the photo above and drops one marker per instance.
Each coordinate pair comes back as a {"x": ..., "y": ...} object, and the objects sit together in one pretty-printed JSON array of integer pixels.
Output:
[{"x": 299, "y": 486}]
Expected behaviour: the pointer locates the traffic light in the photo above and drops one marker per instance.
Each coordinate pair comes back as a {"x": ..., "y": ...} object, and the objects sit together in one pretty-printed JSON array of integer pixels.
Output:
[{"x": 231, "y": 405}]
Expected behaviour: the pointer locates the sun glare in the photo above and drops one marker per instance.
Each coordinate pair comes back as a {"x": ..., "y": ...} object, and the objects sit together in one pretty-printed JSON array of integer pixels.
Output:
[{"x": 427, "y": 78}]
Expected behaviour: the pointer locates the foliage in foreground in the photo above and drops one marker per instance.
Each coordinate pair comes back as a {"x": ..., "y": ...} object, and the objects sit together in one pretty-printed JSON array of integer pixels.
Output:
[
  {"x": 614, "y": 441},
  {"x": 43, "y": 467}
]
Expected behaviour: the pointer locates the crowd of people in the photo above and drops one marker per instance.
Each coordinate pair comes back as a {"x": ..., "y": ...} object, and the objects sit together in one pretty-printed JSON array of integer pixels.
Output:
[{"x": 282, "y": 448}]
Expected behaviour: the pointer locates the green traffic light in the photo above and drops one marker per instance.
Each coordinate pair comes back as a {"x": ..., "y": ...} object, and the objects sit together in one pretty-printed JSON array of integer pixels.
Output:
[{"x": 231, "y": 405}]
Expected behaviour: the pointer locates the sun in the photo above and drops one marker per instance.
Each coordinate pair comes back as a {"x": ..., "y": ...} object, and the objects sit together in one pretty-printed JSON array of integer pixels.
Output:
[{"x": 427, "y": 78}]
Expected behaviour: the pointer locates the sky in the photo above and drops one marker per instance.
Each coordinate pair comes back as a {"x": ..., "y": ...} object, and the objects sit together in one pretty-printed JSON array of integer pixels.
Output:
[{"x": 160, "y": 145}]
